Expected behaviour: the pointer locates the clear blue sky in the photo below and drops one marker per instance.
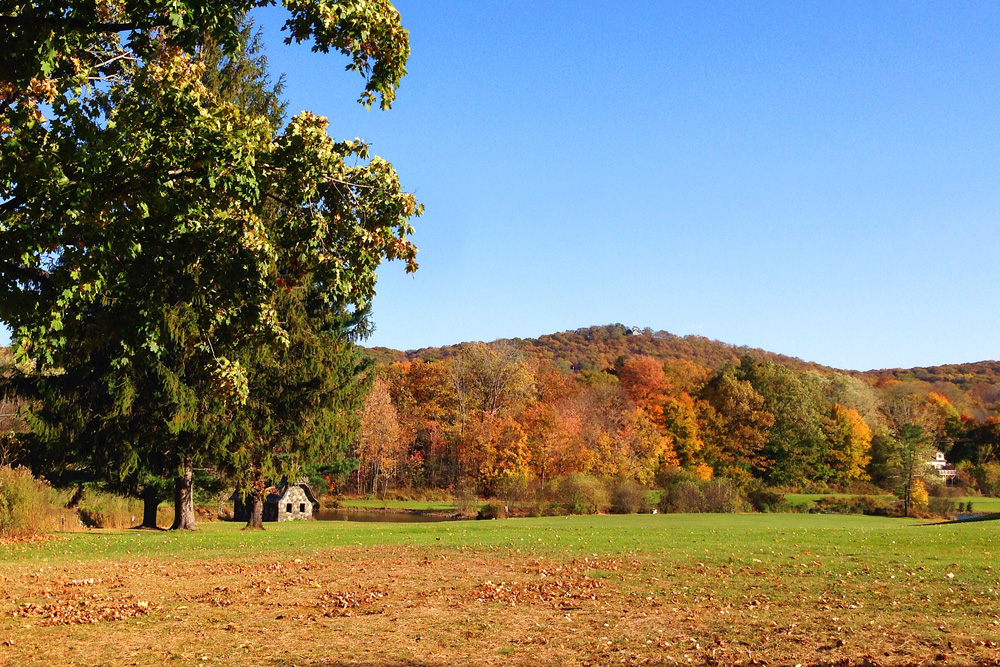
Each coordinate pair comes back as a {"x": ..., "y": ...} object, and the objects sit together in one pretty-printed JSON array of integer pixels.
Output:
[{"x": 814, "y": 178}]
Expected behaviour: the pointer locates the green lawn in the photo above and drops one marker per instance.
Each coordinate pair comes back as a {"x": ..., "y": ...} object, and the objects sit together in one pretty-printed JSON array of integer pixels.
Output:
[
  {"x": 764, "y": 538},
  {"x": 980, "y": 504}
]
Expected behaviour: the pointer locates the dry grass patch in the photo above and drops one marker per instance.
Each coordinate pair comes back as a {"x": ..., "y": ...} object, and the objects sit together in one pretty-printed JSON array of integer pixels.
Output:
[{"x": 456, "y": 605}]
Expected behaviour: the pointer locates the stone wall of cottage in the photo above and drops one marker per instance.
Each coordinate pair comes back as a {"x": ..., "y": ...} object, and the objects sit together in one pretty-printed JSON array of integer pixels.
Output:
[{"x": 294, "y": 505}]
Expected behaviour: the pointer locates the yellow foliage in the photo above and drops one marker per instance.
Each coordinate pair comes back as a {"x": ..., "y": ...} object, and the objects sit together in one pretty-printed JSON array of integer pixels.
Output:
[
  {"x": 918, "y": 494},
  {"x": 703, "y": 471},
  {"x": 850, "y": 442}
]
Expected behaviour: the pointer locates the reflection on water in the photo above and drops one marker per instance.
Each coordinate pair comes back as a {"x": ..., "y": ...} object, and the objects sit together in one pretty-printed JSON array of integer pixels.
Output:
[{"x": 392, "y": 517}]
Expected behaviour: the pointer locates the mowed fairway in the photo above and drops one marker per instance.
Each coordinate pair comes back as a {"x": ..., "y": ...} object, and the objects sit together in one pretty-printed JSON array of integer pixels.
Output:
[{"x": 659, "y": 590}]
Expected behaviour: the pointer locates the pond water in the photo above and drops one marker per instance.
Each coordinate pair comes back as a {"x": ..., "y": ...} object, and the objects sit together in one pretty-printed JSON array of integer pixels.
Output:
[{"x": 390, "y": 516}]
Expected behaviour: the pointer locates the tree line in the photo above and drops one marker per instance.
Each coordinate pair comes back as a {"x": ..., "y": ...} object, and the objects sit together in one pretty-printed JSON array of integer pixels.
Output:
[{"x": 497, "y": 419}]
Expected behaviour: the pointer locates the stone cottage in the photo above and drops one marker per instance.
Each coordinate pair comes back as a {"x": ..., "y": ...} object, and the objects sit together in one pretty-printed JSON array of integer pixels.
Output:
[{"x": 284, "y": 502}]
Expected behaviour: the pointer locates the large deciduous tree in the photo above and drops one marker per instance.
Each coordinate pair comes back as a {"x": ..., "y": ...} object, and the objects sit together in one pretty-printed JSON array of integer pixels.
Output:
[{"x": 147, "y": 219}]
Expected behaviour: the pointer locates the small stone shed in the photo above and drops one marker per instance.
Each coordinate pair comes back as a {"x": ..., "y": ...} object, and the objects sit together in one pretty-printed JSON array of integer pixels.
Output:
[{"x": 284, "y": 502}]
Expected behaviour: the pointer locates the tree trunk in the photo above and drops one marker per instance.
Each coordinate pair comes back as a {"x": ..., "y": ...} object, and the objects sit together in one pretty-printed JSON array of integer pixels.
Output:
[
  {"x": 256, "y": 518},
  {"x": 184, "y": 498},
  {"x": 150, "y": 502},
  {"x": 77, "y": 498}
]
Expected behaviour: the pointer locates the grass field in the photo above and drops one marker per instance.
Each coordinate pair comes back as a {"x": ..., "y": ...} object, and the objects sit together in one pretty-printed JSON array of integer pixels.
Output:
[{"x": 664, "y": 589}]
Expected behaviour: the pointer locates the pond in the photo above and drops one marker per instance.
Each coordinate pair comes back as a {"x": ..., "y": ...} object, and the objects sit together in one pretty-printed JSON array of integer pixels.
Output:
[{"x": 384, "y": 516}]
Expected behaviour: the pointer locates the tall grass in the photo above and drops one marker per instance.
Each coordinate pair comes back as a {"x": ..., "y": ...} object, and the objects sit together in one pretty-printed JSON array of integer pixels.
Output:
[
  {"x": 29, "y": 506},
  {"x": 105, "y": 510}
]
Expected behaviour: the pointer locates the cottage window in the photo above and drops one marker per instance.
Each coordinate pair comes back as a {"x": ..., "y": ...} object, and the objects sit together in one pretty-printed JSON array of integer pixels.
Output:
[
  {"x": 302, "y": 507},
  {"x": 288, "y": 508}
]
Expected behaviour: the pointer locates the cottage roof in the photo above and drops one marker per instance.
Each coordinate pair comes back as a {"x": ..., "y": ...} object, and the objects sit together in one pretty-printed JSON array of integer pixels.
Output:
[{"x": 277, "y": 493}]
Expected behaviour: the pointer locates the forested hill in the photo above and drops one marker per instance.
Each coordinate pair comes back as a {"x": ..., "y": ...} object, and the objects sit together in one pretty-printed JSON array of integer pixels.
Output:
[
  {"x": 597, "y": 348},
  {"x": 972, "y": 386},
  {"x": 965, "y": 376}
]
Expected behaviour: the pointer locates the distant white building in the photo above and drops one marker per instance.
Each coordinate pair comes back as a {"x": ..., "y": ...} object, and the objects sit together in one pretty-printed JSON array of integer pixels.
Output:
[{"x": 944, "y": 469}]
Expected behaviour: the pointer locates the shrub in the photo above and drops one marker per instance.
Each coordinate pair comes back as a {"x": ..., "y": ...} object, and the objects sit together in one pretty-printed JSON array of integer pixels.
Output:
[
  {"x": 763, "y": 499},
  {"x": 29, "y": 506},
  {"x": 683, "y": 497},
  {"x": 628, "y": 497},
  {"x": 942, "y": 490},
  {"x": 686, "y": 492},
  {"x": 490, "y": 511},
  {"x": 859, "y": 488},
  {"x": 722, "y": 495},
  {"x": 941, "y": 506},
  {"x": 816, "y": 487},
  {"x": 987, "y": 478},
  {"x": 799, "y": 507},
  {"x": 23, "y": 502},
  {"x": 465, "y": 499},
  {"x": 870, "y": 505},
  {"x": 579, "y": 494}
]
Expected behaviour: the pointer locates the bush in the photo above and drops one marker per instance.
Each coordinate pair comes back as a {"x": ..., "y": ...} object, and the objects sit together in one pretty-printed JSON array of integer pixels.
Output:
[
  {"x": 689, "y": 494},
  {"x": 29, "y": 506},
  {"x": 579, "y": 494},
  {"x": 941, "y": 506},
  {"x": 987, "y": 478},
  {"x": 799, "y": 507},
  {"x": 870, "y": 505},
  {"x": 942, "y": 490},
  {"x": 465, "y": 499},
  {"x": 490, "y": 511},
  {"x": 722, "y": 495},
  {"x": 859, "y": 488},
  {"x": 628, "y": 497},
  {"x": 763, "y": 499},
  {"x": 23, "y": 502},
  {"x": 683, "y": 497}
]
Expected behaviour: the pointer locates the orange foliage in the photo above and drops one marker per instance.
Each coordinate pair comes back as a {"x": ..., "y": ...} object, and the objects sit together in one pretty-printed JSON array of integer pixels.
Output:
[
  {"x": 703, "y": 471},
  {"x": 643, "y": 381}
]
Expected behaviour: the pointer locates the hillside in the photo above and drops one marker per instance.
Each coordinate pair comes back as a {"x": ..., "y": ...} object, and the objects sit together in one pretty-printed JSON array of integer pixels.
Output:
[
  {"x": 973, "y": 387},
  {"x": 597, "y": 347}
]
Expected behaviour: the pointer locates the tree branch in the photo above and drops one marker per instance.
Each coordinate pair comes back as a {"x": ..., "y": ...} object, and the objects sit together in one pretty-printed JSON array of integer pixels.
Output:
[{"x": 76, "y": 24}]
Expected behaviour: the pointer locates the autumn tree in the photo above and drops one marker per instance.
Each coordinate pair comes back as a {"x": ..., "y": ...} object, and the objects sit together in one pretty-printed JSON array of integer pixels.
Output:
[
  {"x": 912, "y": 455},
  {"x": 681, "y": 422},
  {"x": 643, "y": 381},
  {"x": 490, "y": 378},
  {"x": 795, "y": 442},
  {"x": 848, "y": 445},
  {"x": 380, "y": 441},
  {"x": 495, "y": 453},
  {"x": 735, "y": 426},
  {"x": 424, "y": 396}
]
